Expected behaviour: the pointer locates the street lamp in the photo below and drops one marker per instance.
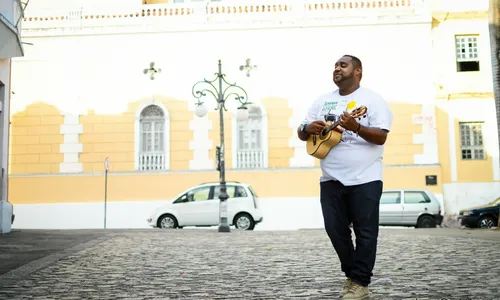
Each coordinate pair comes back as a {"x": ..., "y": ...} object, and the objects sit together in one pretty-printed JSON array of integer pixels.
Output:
[{"x": 201, "y": 89}]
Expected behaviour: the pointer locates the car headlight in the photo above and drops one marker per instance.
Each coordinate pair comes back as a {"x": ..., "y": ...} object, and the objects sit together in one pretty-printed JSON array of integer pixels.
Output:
[{"x": 469, "y": 212}]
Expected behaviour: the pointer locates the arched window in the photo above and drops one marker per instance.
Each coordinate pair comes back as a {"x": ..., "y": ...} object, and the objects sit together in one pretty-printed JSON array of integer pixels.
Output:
[
  {"x": 251, "y": 144},
  {"x": 152, "y": 139}
]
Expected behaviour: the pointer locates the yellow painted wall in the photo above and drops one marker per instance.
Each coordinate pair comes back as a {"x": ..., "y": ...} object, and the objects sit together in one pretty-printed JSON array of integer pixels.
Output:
[
  {"x": 279, "y": 133},
  {"x": 399, "y": 147},
  {"x": 123, "y": 187},
  {"x": 113, "y": 136},
  {"x": 467, "y": 170},
  {"x": 35, "y": 140},
  {"x": 443, "y": 139},
  {"x": 109, "y": 136}
]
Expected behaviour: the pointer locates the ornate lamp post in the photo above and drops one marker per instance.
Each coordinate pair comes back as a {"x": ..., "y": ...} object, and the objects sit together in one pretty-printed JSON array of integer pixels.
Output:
[{"x": 201, "y": 89}]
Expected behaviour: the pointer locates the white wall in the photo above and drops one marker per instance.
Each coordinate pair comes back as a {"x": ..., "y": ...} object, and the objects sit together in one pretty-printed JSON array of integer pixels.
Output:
[
  {"x": 299, "y": 213},
  {"x": 445, "y": 71},
  {"x": 466, "y": 195},
  {"x": 59, "y": 70}
]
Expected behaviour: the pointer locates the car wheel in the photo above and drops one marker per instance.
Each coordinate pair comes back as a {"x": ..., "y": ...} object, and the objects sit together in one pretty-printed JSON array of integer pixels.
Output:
[
  {"x": 244, "y": 222},
  {"x": 486, "y": 222},
  {"x": 167, "y": 222},
  {"x": 426, "y": 222}
]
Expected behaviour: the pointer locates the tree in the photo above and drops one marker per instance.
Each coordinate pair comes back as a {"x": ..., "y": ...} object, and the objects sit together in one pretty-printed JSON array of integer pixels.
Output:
[{"x": 494, "y": 27}]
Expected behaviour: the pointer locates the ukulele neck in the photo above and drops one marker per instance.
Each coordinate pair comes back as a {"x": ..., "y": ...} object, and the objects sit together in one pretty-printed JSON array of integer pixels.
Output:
[{"x": 331, "y": 127}]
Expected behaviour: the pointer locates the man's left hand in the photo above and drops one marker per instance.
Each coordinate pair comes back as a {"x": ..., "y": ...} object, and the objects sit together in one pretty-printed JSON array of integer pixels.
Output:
[{"x": 348, "y": 122}]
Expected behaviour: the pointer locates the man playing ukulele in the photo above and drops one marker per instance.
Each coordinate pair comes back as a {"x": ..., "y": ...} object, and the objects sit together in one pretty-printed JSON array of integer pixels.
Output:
[{"x": 351, "y": 181}]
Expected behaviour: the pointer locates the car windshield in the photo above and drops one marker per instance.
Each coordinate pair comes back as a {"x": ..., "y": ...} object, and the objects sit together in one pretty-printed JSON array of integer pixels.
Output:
[{"x": 495, "y": 202}]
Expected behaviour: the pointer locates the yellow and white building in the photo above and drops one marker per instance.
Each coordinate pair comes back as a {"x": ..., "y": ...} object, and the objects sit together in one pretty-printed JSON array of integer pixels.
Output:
[
  {"x": 10, "y": 46},
  {"x": 82, "y": 97}
]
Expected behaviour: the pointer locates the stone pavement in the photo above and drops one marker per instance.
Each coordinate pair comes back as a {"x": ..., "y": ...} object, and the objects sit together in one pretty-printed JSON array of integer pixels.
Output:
[
  {"x": 204, "y": 264},
  {"x": 20, "y": 247}
]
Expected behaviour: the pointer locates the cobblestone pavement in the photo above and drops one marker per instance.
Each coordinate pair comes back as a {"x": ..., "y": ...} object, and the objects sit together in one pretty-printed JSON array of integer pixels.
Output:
[{"x": 204, "y": 264}]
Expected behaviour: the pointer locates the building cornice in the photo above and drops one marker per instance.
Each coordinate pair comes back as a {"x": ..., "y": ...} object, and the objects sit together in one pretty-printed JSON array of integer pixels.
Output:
[
  {"x": 460, "y": 16},
  {"x": 465, "y": 96},
  {"x": 217, "y": 15}
]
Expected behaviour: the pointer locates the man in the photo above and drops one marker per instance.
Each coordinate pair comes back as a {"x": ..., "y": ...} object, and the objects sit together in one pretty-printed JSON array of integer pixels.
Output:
[{"x": 351, "y": 180}]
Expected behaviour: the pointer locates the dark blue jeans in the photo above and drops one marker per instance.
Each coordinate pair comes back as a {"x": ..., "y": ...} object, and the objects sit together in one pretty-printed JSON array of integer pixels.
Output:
[{"x": 359, "y": 205}]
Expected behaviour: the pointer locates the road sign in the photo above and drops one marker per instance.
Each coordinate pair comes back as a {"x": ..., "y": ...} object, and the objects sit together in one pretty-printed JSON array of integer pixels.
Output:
[{"x": 106, "y": 167}]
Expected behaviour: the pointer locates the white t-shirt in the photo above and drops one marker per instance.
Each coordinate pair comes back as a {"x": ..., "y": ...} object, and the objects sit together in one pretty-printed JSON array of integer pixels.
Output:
[{"x": 354, "y": 160}]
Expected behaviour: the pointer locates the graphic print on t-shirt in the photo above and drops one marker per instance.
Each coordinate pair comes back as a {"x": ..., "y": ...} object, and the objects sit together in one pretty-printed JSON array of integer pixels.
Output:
[{"x": 332, "y": 110}]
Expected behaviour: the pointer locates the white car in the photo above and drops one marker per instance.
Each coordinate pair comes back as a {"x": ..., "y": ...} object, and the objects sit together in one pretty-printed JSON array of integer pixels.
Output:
[
  {"x": 418, "y": 208},
  {"x": 199, "y": 206}
]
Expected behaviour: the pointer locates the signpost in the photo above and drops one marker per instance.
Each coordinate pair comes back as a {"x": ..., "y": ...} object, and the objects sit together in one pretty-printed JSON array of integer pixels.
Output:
[{"x": 106, "y": 169}]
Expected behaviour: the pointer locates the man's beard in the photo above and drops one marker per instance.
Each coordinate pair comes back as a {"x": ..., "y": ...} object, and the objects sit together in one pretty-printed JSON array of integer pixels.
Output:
[{"x": 343, "y": 78}]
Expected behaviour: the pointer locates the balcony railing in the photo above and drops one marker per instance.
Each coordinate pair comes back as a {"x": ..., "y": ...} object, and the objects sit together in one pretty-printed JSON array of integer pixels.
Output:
[
  {"x": 250, "y": 159},
  {"x": 178, "y": 14},
  {"x": 152, "y": 161}
]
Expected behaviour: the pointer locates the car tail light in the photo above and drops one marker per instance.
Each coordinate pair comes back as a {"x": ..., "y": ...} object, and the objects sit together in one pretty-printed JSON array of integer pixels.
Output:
[
  {"x": 439, "y": 211},
  {"x": 254, "y": 202}
]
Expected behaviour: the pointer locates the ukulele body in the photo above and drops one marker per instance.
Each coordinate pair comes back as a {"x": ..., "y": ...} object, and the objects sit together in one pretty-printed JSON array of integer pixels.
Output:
[{"x": 320, "y": 145}]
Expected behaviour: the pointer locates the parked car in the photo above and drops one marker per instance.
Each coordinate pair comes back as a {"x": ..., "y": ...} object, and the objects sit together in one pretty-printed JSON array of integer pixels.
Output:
[
  {"x": 418, "y": 208},
  {"x": 485, "y": 216},
  {"x": 199, "y": 206}
]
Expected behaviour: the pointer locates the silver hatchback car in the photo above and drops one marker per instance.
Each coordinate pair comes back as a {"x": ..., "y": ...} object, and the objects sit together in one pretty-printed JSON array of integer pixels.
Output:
[{"x": 418, "y": 208}]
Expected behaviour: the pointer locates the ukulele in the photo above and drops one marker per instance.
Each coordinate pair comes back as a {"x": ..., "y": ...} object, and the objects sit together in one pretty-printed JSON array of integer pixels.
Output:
[{"x": 319, "y": 145}]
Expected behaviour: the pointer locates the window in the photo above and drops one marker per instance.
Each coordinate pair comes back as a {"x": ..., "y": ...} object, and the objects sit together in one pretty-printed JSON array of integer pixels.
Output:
[
  {"x": 471, "y": 140},
  {"x": 232, "y": 190},
  {"x": 253, "y": 191},
  {"x": 416, "y": 197},
  {"x": 152, "y": 139},
  {"x": 250, "y": 152},
  {"x": 390, "y": 198},
  {"x": 198, "y": 194},
  {"x": 467, "y": 53}
]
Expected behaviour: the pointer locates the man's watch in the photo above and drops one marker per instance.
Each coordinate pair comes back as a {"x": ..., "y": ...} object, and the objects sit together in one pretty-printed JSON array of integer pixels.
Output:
[{"x": 303, "y": 129}]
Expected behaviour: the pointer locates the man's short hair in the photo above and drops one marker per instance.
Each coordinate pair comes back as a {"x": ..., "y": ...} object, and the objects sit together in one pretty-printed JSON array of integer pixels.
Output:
[{"x": 355, "y": 61}]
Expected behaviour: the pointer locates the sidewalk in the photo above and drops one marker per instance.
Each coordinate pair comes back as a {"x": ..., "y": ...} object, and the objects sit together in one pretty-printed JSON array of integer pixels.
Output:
[{"x": 204, "y": 264}]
